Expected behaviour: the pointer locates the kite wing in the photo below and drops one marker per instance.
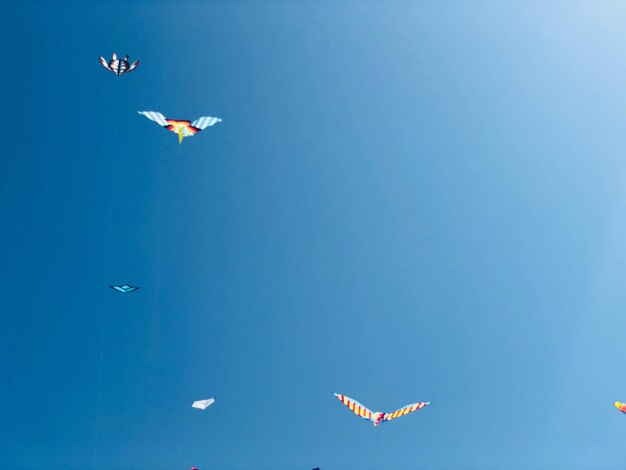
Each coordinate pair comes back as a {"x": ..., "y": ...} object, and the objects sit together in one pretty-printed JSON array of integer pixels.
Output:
[
  {"x": 156, "y": 117},
  {"x": 104, "y": 63},
  {"x": 133, "y": 66},
  {"x": 620, "y": 406},
  {"x": 203, "y": 404},
  {"x": 405, "y": 410},
  {"x": 355, "y": 406},
  {"x": 204, "y": 122}
]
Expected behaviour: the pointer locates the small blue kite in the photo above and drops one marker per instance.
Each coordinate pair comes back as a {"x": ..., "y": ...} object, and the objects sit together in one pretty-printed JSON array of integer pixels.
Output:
[{"x": 124, "y": 289}]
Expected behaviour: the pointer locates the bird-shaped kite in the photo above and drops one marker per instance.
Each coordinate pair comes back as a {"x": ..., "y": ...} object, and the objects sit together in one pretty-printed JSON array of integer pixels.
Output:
[
  {"x": 378, "y": 417},
  {"x": 118, "y": 66},
  {"x": 620, "y": 406},
  {"x": 183, "y": 128}
]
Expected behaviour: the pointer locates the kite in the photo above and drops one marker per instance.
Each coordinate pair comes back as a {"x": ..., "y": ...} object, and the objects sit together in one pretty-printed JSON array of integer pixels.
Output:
[
  {"x": 203, "y": 404},
  {"x": 378, "y": 417},
  {"x": 118, "y": 66},
  {"x": 124, "y": 289},
  {"x": 182, "y": 127},
  {"x": 620, "y": 406}
]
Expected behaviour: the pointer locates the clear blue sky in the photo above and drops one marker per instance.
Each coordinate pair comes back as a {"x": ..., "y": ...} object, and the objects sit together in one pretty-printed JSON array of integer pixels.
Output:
[{"x": 406, "y": 201}]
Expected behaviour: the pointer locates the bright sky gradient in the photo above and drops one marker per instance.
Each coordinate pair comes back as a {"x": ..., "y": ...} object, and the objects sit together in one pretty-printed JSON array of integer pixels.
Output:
[{"x": 405, "y": 201}]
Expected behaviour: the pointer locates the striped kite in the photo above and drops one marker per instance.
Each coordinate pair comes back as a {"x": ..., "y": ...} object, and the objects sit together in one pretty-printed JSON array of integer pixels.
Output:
[
  {"x": 378, "y": 416},
  {"x": 118, "y": 66},
  {"x": 183, "y": 128},
  {"x": 620, "y": 406}
]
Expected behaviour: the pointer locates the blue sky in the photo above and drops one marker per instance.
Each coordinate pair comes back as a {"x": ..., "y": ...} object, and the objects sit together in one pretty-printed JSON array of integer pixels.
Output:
[{"x": 406, "y": 201}]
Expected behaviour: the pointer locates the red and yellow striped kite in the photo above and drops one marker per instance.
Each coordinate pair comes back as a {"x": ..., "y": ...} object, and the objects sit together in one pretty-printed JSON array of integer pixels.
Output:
[
  {"x": 378, "y": 416},
  {"x": 620, "y": 406}
]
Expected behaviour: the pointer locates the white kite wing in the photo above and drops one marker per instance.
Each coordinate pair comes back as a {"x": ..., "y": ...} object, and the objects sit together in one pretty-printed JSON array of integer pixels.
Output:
[
  {"x": 104, "y": 63},
  {"x": 133, "y": 66},
  {"x": 203, "y": 404},
  {"x": 204, "y": 122},
  {"x": 156, "y": 117}
]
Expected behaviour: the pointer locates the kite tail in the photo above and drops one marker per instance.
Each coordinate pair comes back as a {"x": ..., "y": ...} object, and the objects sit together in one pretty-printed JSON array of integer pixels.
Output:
[{"x": 180, "y": 135}]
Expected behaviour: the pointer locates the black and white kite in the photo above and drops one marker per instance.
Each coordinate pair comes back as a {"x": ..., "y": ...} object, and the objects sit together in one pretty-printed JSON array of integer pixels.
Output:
[{"x": 118, "y": 66}]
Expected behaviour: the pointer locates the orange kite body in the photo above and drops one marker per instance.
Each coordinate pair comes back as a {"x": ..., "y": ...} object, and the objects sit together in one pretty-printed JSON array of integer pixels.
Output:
[{"x": 175, "y": 125}]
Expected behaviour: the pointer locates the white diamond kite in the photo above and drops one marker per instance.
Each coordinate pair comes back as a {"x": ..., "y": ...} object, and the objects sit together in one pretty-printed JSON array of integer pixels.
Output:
[{"x": 203, "y": 404}]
